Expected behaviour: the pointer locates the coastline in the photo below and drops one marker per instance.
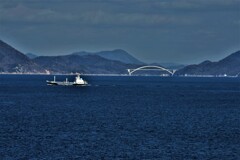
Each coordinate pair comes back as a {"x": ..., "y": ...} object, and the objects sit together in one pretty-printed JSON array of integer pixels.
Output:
[{"x": 126, "y": 75}]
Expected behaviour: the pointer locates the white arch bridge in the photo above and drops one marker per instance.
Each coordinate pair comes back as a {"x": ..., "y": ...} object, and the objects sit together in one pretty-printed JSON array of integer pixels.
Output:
[{"x": 131, "y": 71}]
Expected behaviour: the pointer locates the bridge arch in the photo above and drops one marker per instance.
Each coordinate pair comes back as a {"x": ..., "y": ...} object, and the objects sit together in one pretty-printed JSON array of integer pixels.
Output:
[{"x": 131, "y": 71}]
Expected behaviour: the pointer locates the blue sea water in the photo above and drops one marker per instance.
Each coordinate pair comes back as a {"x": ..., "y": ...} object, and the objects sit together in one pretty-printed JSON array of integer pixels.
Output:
[{"x": 120, "y": 117}]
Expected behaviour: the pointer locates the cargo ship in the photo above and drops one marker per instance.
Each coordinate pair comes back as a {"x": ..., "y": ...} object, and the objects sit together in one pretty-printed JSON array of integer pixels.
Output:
[{"x": 78, "y": 82}]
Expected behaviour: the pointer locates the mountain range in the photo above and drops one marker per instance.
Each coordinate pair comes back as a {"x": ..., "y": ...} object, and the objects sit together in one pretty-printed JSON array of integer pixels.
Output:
[
  {"x": 13, "y": 61},
  {"x": 104, "y": 62}
]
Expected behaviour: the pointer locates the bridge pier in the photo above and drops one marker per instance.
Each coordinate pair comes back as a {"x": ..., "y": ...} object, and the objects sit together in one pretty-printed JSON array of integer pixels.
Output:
[{"x": 129, "y": 72}]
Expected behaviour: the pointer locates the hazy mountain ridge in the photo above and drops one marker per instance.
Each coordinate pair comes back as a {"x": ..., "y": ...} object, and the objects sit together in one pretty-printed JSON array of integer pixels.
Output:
[
  {"x": 116, "y": 55},
  {"x": 229, "y": 66},
  {"x": 31, "y": 55},
  {"x": 88, "y": 64},
  {"x": 172, "y": 66}
]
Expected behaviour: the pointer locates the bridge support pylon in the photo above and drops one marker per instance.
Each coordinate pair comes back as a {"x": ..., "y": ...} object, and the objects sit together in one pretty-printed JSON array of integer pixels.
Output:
[{"x": 129, "y": 72}]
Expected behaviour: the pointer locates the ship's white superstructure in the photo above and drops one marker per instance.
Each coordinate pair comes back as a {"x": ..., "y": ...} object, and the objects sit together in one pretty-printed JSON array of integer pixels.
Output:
[{"x": 78, "y": 82}]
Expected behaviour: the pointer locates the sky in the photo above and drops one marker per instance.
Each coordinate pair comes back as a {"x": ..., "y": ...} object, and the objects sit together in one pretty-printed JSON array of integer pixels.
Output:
[{"x": 180, "y": 31}]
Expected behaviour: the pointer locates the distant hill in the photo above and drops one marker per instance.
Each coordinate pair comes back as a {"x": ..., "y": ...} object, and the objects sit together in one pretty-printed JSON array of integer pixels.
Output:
[
  {"x": 88, "y": 64},
  {"x": 117, "y": 55},
  {"x": 12, "y": 60},
  {"x": 174, "y": 66},
  {"x": 229, "y": 66},
  {"x": 31, "y": 55}
]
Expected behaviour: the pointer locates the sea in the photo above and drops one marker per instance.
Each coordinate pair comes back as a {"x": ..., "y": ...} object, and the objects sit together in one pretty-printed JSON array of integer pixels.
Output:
[{"x": 120, "y": 117}]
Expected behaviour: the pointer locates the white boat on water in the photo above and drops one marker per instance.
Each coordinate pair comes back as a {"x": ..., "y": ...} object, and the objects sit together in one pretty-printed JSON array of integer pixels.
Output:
[{"x": 78, "y": 82}]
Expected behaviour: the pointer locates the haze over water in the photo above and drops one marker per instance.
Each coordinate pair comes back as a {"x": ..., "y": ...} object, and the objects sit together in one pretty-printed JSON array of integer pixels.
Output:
[{"x": 120, "y": 118}]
